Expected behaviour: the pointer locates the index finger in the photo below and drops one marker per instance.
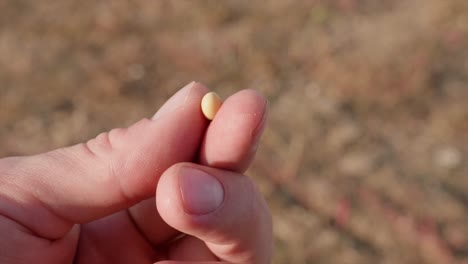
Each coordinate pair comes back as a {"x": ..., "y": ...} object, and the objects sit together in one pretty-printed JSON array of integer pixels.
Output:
[{"x": 115, "y": 170}]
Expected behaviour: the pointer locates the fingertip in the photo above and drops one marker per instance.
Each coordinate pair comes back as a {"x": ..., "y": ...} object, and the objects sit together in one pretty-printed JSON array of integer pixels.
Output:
[
  {"x": 190, "y": 93},
  {"x": 249, "y": 100},
  {"x": 178, "y": 208},
  {"x": 232, "y": 138}
]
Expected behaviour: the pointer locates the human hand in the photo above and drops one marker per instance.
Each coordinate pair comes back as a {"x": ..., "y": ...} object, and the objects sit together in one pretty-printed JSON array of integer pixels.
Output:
[{"x": 128, "y": 195}]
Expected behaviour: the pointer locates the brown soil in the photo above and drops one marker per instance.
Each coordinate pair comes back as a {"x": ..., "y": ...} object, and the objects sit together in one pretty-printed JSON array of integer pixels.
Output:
[{"x": 364, "y": 158}]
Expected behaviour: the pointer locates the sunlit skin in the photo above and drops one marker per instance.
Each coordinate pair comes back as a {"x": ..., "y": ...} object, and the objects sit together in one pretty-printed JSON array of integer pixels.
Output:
[{"x": 119, "y": 198}]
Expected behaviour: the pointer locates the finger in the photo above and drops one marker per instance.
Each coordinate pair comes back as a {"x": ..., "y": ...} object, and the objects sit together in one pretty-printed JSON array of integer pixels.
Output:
[
  {"x": 230, "y": 143},
  {"x": 149, "y": 222},
  {"x": 24, "y": 247},
  {"x": 49, "y": 192},
  {"x": 222, "y": 208},
  {"x": 113, "y": 239},
  {"x": 232, "y": 138},
  {"x": 189, "y": 248},
  {"x": 190, "y": 262}
]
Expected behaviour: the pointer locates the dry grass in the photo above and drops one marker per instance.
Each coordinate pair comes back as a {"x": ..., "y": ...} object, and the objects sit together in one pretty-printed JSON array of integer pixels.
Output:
[{"x": 364, "y": 158}]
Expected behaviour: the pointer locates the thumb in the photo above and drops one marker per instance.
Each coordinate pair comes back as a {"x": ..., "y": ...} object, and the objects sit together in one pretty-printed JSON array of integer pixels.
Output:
[
  {"x": 222, "y": 208},
  {"x": 48, "y": 193}
]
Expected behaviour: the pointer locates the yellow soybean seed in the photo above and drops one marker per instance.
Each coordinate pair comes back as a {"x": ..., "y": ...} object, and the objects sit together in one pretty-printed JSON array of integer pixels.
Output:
[{"x": 210, "y": 105}]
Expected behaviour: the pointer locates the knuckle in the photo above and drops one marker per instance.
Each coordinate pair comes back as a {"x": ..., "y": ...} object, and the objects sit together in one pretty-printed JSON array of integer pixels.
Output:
[{"x": 105, "y": 142}]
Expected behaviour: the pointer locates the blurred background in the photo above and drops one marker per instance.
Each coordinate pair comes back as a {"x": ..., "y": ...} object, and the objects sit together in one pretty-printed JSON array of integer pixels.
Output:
[{"x": 364, "y": 157}]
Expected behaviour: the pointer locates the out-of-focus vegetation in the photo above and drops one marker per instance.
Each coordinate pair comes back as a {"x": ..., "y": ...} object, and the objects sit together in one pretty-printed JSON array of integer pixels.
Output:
[{"x": 364, "y": 157}]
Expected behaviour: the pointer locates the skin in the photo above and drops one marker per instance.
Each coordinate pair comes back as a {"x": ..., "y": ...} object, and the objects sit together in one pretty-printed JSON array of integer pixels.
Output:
[{"x": 117, "y": 198}]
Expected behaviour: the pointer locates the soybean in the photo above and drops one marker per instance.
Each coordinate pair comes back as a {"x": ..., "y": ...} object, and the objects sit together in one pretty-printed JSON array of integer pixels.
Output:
[{"x": 210, "y": 105}]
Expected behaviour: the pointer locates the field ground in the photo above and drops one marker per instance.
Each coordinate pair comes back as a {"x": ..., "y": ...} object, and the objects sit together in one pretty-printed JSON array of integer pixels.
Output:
[{"x": 364, "y": 157}]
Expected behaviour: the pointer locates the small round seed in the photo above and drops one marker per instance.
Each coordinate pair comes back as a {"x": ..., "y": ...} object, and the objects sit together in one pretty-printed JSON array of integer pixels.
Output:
[{"x": 210, "y": 105}]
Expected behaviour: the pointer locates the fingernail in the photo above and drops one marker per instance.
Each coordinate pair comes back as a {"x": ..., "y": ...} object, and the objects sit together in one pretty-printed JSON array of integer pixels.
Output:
[
  {"x": 201, "y": 193},
  {"x": 175, "y": 102}
]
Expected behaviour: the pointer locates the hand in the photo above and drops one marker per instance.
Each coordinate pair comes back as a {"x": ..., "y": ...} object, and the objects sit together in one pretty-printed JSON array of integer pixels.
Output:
[{"x": 131, "y": 195}]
